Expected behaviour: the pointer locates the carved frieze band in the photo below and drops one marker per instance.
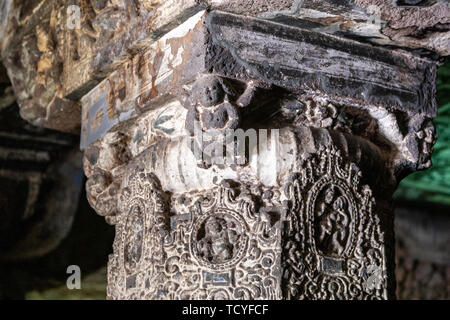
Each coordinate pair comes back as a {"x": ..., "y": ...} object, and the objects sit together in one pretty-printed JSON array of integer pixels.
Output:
[
  {"x": 216, "y": 244},
  {"x": 318, "y": 238}
]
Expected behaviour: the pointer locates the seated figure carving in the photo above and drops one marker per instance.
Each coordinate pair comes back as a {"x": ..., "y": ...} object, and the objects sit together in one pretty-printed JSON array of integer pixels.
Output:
[{"x": 219, "y": 241}]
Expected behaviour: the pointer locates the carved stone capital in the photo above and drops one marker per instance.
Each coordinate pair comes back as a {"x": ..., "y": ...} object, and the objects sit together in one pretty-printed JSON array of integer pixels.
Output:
[{"x": 330, "y": 127}]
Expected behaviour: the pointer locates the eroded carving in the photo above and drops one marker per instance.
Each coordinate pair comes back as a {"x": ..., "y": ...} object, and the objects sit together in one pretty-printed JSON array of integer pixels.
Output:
[
  {"x": 134, "y": 237},
  {"x": 200, "y": 240},
  {"x": 212, "y": 105},
  {"x": 219, "y": 239},
  {"x": 35, "y": 67},
  {"x": 103, "y": 165},
  {"x": 101, "y": 21},
  {"x": 420, "y": 140},
  {"x": 101, "y": 193},
  {"x": 334, "y": 243},
  {"x": 318, "y": 112},
  {"x": 215, "y": 107},
  {"x": 219, "y": 245},
  {"x": 426, "y": 138},
  {"x": 333, "y": 217}
]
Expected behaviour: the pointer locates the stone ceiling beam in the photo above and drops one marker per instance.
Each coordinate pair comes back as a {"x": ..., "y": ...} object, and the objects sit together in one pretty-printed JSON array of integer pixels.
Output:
[{"x": 52, "y": 65}]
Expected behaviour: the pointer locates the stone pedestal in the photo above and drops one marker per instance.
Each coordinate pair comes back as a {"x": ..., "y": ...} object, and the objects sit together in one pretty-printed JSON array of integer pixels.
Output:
[{"x": 241, "y": 158}]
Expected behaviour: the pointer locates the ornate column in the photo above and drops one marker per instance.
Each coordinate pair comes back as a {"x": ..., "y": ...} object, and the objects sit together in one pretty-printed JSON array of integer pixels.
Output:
[
  {"x": 247, "y": 154},
  {"x": 332, "y": 126}
]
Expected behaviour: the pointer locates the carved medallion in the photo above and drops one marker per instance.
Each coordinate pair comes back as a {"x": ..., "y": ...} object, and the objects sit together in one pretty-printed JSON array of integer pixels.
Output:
[
  {"x": 216, "y": 244},
  {"x": 219, "y": 240},
  {"x": 233, "y": 248}
]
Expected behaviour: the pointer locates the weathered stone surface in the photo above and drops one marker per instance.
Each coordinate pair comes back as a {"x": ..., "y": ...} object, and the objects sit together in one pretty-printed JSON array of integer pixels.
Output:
[
  {"x": 424, "y": 25},
  {"x": 398, "y": 80},
  {"x": 304, "y": 206},
  {"x": 151, "y": 75},
  {"x": 52, "y": 66},
  {"x": 32, "y": 51},
  {"x": 110, "y": 32},
  {"x": 140, "y": 211},
  {"x": 384, "y": 22},
  {"x": 342, "y": 100}
]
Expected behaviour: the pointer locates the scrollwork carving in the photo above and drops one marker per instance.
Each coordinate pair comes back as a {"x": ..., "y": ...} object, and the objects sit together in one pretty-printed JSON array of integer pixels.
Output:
[
  {"x": 319, "y": 112},
  {"x": 217, "y": 244},
  {"x": 101, "y": 193},
  {"x": 333, "y": 243},
  {"x": 142, "y": 227}
]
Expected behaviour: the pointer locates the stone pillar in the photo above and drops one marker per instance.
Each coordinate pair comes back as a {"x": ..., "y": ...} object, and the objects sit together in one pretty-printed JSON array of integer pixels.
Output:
[
  {"x": 335, "y": 101},
  {"x": 301, "y": 207}
]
